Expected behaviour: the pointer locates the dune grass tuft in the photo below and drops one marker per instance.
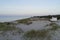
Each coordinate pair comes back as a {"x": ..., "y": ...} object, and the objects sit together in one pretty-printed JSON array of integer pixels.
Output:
[{"x": 36, "y": 34}]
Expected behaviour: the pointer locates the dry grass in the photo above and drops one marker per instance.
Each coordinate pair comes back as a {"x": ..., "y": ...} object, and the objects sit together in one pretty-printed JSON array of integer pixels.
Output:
[
  {"x": 25, "y": 21},
  {"x": 8, "y": 27},
  {"x": 36, "y": 34}
]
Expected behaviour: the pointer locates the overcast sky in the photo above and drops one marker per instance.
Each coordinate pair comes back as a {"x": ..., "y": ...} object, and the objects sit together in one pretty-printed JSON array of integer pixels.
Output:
[{"x": 29, "y": 7}]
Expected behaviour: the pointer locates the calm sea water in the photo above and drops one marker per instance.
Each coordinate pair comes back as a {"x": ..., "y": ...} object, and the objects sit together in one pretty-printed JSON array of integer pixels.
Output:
[{"x": 11, "y": 18}]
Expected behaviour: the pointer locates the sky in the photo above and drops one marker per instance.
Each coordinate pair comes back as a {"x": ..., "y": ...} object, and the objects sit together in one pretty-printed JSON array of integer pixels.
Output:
[{"x": 29, "y": 7}]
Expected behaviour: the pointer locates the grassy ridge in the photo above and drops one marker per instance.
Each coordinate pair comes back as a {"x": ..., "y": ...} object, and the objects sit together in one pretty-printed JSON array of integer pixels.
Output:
[
  {"x": 36, "y": 33},
  {"x": 7, "y": 27},
  {"x": 25, "y": 21}
]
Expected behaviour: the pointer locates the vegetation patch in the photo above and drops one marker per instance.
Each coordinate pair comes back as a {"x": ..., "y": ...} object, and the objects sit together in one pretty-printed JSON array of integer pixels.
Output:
[
  {"x": 55, "y": 27},
  {"x": 5, "y": 27},
  {"x": 25, "y": 21},
  {"x": 36, "y": 34},
  {"x": 9, "y": 27}
]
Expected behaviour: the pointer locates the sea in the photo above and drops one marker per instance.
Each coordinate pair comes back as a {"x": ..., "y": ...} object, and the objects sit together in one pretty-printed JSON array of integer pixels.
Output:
[{"x": 6, "y": 18}]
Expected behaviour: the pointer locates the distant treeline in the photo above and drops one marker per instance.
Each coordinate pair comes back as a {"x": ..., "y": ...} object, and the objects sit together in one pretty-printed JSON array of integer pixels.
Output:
[{"x": 48, "y": 16}]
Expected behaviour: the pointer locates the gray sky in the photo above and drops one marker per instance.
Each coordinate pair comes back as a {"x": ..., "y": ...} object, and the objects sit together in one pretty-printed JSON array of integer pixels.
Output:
[{"x": 29, "y": 7}]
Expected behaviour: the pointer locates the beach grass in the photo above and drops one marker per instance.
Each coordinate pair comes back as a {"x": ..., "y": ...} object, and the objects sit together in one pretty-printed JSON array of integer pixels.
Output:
[
  {"x": 25, "y": 21},
  {"x": 36, "y": 34},
  {"x": 8, "y": 27}
]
